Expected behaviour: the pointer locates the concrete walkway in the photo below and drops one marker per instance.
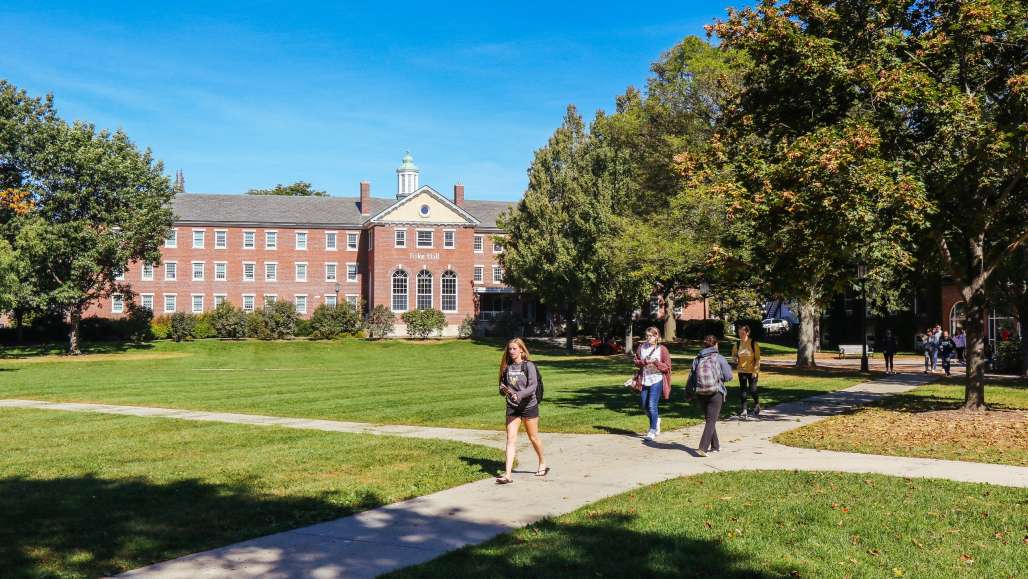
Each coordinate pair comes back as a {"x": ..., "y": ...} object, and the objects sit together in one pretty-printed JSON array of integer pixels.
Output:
[{"x": 586, "y": 468}]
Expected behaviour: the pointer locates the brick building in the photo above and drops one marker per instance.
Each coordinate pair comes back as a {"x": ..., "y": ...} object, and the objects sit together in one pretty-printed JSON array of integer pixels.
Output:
[{"x": 419, "y": 249}]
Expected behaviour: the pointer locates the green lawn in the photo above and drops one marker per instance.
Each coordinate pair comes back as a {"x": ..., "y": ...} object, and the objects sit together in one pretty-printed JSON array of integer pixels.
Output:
[
  {"x": 766, "y": 524},
  {"x": 927, "y": 422},
  {"x": 445, "y": 383},
  {"x": 86, "y": 495}
]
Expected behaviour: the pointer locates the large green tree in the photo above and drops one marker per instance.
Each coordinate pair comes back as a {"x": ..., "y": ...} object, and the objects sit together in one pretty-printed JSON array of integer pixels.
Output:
[{"x": 298, "y": 189}]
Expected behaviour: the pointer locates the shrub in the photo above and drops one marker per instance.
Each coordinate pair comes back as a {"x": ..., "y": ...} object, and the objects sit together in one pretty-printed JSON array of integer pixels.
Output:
[
  {"x": 381, "y": 321},
  {"x": 182, "y": 326},
  {"x": 137, "y": 323},
  {"x": 467, "y": 328},
  {"x": 228, "y": 321},
  {"x": 303, "y": 328},
  {"x": 1008, "y": 356},
  {"x": 160, "y": 327},
  {"x": 203, "y": 327},
  {"x": 330, "y": 322},
  {"x": 508, "y": 325},
  {"x": 421, "y": 323},
  {"x": 277, "y": 321}
]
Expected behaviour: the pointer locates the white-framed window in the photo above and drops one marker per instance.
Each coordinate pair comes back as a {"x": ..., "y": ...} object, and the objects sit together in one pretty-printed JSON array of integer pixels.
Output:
[
  {"x": 301, "y": 240},
  {"x": 479, "y": 274},
  {"x": 146, "y": 301},
  {"x": 330, "y": 300},
  {"x": 449, "y": 239},
  {"x": 352, "y": 240},
  {"x": 197, "y": 303},
  {"x": 170, "y": 302},
  {"x": 270, "y": 240},
  {"x": 119, "y": 275},
  {"x": 249, "y": 302},
  {"x": 352, "y": 300},
  {"x": 330, "y": 240},
  {"x": 399, "y": 288},
  {"x": 197, "y": 271},
  {"x": 270, "y": 299},
  {"x": 270, "y": 271},
  {"x": 249, "y": 239},
  {"x": 448, "y": 291},
  {"x": 220, "y": 271},
  {"x": 479, "y": 243},
  {"x": 330, "y": 271},
  {"x": 351, "y": 272},
  {"x": 371, "y": 239},
  {"x": 497, "y": 244},
  {"x": 147, "y": 272},
  {"x": 400, "y": 238},
  {"x": 170, "y": 271},
  {"x": 220, "y": 238},
  {"x": 424, "y": 290},
  {"x": 220, "y": 299},
  {"x": 301, "y": 271},
  {"x": 426, "y": 238},
  {"x": 301, "y": 303},
  {"x": 198, "y": 235},
  {"x": 249, "y": 271},
  {"x": 171, "y": 241},
  {"x": 497, "y": 274},
  {"x": 117, "y": 304}
]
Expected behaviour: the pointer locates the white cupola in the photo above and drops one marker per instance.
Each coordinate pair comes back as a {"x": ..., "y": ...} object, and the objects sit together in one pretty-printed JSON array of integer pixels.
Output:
[{"x": 406, "y": 177}]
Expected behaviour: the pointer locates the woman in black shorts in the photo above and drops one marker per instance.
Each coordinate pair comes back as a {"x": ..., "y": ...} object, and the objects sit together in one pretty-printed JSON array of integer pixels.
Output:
[{"x": 519, "y": 380}]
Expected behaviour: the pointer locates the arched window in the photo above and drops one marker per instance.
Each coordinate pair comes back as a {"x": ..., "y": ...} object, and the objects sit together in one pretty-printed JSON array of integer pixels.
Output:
[
  {"x": 448, "y": 295},
  {"x": 399, "y": 291},
  {"x": 956, "y": 317},
  {"x": 424, "y": 289}
]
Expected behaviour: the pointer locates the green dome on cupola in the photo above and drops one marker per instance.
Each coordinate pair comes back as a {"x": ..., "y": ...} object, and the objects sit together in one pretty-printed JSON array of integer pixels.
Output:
[{"x": 408, "y": 163}]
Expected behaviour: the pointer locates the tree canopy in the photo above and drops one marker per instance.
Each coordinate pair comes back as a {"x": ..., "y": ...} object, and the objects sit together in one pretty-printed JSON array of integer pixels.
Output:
[{"x": 298, "y": 189}]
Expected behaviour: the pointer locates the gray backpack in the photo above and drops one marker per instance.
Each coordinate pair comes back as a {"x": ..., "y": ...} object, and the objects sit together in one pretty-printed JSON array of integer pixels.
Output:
[{"x": 708, "y": 376}]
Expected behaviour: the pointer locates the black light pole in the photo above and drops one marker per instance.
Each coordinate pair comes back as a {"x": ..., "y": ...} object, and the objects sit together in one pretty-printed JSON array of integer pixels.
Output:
[
  {"x": 862, "y": 275},
  {"x": 338, "y": 287},
  {"x": 704, "y": 292}
]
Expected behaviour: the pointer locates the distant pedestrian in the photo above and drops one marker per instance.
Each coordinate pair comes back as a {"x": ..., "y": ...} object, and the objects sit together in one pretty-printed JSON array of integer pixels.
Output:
[
  {"x": 746, "y": 355},
  {"x": 926, "y": 348},
  {"x": 946, "y": 351},
  {"x": 654, "y": 363},
  {"x": 710, "y": 372},
  {"x": 934, "y": 337},
  {"x": 960, "y": 339},
  {"x": 519, "y": 384},
  {"x": 889, "y": 348}
]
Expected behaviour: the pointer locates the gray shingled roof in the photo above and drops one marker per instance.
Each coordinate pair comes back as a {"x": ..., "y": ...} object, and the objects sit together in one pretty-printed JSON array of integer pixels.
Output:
[{"x": 281, "y": 210}]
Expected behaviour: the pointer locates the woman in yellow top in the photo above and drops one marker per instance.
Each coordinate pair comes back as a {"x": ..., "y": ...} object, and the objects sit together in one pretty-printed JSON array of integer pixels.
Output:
[{"x": 746, "y": 355}]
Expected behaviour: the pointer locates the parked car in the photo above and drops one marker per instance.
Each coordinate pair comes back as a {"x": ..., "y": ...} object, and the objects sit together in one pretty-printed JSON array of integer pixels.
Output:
[{"x": 775, "y": 325}]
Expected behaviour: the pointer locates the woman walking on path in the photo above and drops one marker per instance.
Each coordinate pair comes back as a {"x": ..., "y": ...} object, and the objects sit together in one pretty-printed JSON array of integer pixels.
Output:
[
  {"x": 889, "y": 348},
  {"x": 926, "y": 344},
  {"x": 946, "y": 350},
  {"x": 519, "y": 381},
  {"x": 654, "y": 365},
  {"x": 960, "y": 340},
  {"x": 710, "y": 371},
  {"x": 746, "y": 355}
]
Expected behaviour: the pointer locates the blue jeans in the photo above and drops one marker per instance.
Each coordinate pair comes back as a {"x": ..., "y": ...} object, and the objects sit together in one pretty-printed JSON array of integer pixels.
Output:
[{"x": 650, "y": 395}]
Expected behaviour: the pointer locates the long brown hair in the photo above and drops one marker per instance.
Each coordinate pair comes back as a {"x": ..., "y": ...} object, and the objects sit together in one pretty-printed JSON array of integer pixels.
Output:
[{"x": 506, "y": 361}]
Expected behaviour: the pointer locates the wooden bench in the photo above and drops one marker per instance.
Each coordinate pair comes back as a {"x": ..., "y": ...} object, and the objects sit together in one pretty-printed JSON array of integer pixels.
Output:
[{"x": 853, "y": 350}]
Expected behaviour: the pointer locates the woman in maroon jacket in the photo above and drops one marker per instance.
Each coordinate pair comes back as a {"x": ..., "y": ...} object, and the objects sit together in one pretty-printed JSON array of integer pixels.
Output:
[{"x": 654, "y": 365}]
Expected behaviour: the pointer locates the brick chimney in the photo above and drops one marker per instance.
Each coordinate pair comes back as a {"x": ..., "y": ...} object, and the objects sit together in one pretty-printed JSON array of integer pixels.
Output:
[
  {"x": 365, "y": 198},
  {"x": 458, "y": 195}
]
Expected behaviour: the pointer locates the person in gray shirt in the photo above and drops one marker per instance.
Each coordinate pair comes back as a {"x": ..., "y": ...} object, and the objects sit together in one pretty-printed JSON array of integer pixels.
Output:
[{"x": 519, "y": 383}]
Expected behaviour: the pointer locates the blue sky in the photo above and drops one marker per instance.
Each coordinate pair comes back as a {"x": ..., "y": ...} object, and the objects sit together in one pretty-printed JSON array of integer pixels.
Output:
[{"x": 331, "y": 93}]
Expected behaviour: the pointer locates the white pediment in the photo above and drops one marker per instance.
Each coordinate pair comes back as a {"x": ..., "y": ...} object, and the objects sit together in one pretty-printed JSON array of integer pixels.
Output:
[{"x": 426, "y": 206}]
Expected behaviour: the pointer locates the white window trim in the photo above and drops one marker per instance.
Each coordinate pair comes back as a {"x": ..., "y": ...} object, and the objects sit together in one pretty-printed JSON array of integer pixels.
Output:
[
  {"x": 479, "y": 237},
  {"x": 119, "y": 275},
  {"x": 493, "y": 276},
  {"x": 358, "y": 244},
  {"x": 266, "y": 264},
  {"x": 216, "y": 296},
  {"x": 478, "y": 281},
  {"x": 142, "y": 272},
  {"x": 336, "y": 267},
  {"x": 454, "y": 232},
  {"x": 141, "y": 296},
  {"x": 356, "y": 298},
  {"x": 216, "y": 232},
  {"x": 494, "y": 238},
  {"x": 327, "y": 234},
  {"x": 396, "y": 243},
  {"x": 356, "y": 273},
  {"x": 274, "y": 298},
  {"x": 192, "y": 303},
  {"x": 254, "y": 278},
  {"x": 164, "y": 305},
  {"x": 306, "y": 271},
  {"x": 121, "y": 300},
  {"x": 306, "y": 303},
  {"x": 306, "y": 240},
  {"x": 216, "y": 264},
  {"x": 417, "y": 242},
  {"x": 266, "y": 232},
  {"x": 203, "y": 238},
  {"x": 173, "y": 238},
  {"x": 456, "y": 294},
  {"x": 392, "y": 301},
  {"x": 170, "y": 262},
  {"x": 327, "y": 297},
  {"x": 192, "y": 270},
  {"x": 254, "y": 246},
  {"x": 243, "y": 304}
]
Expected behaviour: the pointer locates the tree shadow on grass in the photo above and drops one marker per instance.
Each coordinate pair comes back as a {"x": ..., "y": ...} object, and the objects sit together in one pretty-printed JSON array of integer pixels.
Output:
[
  {"x": 16, "y": 352},
  {"x": 91, "y": 526},
  {"x": 606, "y": 545}
]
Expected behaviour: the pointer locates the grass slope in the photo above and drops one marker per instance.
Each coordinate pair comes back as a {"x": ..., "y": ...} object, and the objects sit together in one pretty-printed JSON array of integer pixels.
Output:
[
  {"x": 766, "y": 524},
  {"x": 442, "y": 383},
  {"x": 86, "y": 495}
]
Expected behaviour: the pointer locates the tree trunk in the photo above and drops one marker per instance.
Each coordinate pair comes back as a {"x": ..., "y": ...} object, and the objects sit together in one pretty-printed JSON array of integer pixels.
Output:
[
  {"x": 19, "y": 324},
  {"x": 1022, "y": 318},
  {"x": 628, "y": 335},
  {"x": 571, "y": 329},
  {"x": 805, "y": 348},
  {"x": 670, "y": 323},
  {"x": 974, "y": 388},
  {"x": 73, "y": 331}
]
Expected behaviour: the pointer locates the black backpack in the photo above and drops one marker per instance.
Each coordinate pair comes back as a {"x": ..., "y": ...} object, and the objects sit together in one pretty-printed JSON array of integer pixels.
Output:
[{"x": 539, "y": 383}]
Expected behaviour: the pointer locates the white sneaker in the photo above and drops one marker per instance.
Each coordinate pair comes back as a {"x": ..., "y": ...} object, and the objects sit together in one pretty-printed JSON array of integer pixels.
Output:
[
  {"x": 658, "y": 427},
  {"x": 651, "y": 435}
]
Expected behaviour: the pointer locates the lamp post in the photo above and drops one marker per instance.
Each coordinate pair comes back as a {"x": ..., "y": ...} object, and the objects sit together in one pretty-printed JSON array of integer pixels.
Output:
[
  {"x": 337, "y": 288},
  {"x": 862, "y": 276},
  {"x": 704, "y": 292}
]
